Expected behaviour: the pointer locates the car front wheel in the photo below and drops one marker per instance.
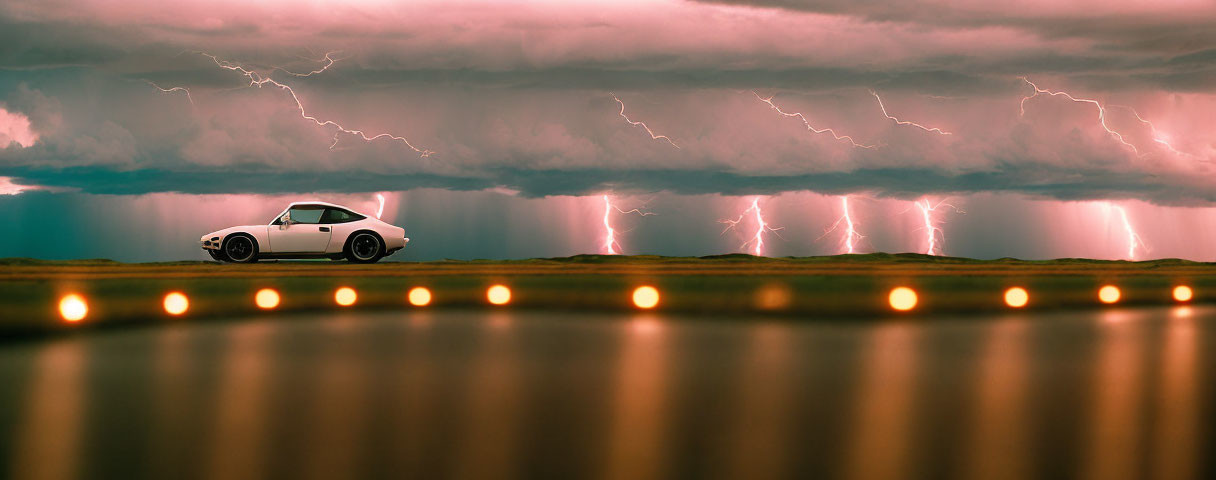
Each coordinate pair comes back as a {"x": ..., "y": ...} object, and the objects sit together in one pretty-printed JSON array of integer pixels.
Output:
[
  {"x": 364, "y": 247},
  {"x": 241, "y": 249},
  {"x": 217, "y": 255}
]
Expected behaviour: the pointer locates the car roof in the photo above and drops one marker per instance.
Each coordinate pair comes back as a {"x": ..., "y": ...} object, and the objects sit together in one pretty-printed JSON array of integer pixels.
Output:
[{"x": 320, "y": 204}]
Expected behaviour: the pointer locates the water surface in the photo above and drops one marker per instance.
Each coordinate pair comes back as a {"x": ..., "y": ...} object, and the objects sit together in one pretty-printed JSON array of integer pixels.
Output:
[{"x": 1103, "y": 395}]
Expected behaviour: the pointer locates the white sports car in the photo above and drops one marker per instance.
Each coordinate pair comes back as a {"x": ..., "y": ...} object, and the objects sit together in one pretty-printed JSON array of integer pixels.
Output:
[{"x": 308, "y": 230}]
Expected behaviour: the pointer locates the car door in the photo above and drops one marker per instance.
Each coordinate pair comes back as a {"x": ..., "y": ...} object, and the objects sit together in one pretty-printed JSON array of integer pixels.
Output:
[{"x": 304, "y": 234}]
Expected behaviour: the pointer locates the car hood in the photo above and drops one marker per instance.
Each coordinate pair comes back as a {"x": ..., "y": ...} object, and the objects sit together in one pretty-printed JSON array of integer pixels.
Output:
[{"x": 224, "y": 232}]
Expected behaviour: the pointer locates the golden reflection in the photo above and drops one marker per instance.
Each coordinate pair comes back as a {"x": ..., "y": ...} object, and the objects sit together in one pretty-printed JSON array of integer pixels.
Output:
[
  {"x": 174, "y": 395},
  {"x": 488, "y": 437},
  {"x": 879, "y": 441},
  {"x": 636, "y": 437},
  {"x": 416, "y": 398},
  {"x": 645, "y": 326},
  {"x": 998, "y": 441},
  {"x": 48, "y": 433},
  {"x": 420, "y": 320},
  {"x": 1176, "y": 406},
  {"x": 760, "y": 430},
  {"x": 337, "y": 419},
  {"x": 238, "y": 445},
  {"x": 1114, "y": 444}
]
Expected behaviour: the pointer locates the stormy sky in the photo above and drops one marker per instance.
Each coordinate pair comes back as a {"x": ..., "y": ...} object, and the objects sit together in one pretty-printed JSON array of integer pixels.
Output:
[{"x": 1033, "y": 109}]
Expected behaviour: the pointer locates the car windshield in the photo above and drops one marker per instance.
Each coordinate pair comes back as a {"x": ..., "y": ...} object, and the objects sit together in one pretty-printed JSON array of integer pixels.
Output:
[{"x": 303, "y": 214}]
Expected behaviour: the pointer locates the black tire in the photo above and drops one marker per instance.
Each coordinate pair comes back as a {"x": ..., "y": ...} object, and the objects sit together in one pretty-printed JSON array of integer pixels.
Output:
[
  {"x": 218, "y": 255},
  {"x": 240, "y": 248},
  {"x": 364, "y": 247}
]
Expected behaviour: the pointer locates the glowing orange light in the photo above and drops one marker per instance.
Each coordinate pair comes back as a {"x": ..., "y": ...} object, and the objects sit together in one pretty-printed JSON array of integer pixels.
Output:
[
  {"x": 1109, "y": 294},
  {"x": 902, "y": 298},
  {"x": 176, "y": 303},
  {"x": 498, "y": 295},
  {"x": 419, "y": 296},
  {"x": 1017, "y": 297},
  {"x": 345, "y": 296},
  {"x": 266, "y": 298},
  {"x": 646, "y": 297},
  {"x": 773, "y": 297},
  {"x": 1183, "y": 293},
  {"x": 73, "y": 307}
]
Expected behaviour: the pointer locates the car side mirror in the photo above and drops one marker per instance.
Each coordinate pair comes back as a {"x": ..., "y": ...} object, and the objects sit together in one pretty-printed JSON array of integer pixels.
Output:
[{"x": 285, "y": 220}]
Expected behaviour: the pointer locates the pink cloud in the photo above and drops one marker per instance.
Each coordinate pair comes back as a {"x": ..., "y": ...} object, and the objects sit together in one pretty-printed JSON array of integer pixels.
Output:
[{"x": 15, "y": 128}]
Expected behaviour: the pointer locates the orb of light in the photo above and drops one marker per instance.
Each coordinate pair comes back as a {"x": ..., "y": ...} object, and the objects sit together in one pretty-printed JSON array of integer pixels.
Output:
[
  {"x": 73, "y": 308},
  {"x": 266, "y": 298},
  {"x": 902, "y": 298},
  {"x": 1109, "y": 294},
  {"x": 498, "y": 295},
  {"x": 773, "y": 297},
  {"x": 345, "y": 296},
  {"x": 646, "y": 297},
  {"x": 1183, "y": 293},
  {"x": 419, "y": 296},
  {"x": 1017, "y": 297},
  {"x": 176, "y": 303}
]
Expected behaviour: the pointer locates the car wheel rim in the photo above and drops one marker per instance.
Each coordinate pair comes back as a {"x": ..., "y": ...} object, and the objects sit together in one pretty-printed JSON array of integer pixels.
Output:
[
  {"x": 239, "y": 249},
  {"x": 365, "y": 246}
]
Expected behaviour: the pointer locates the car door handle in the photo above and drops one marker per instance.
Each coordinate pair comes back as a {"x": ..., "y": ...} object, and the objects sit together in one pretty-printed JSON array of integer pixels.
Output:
[{"x": 324, "y": 229}]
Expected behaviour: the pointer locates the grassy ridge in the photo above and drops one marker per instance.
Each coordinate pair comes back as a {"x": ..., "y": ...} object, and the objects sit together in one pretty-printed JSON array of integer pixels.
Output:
[
  {"x": 890, "y": 258},
  {"x": 844, "y": 286}
]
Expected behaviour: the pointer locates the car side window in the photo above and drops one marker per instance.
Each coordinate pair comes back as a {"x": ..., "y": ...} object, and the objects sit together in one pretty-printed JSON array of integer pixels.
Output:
[
  {"x": 336, "y": 215},
  {"x": 306, "y": 214}
]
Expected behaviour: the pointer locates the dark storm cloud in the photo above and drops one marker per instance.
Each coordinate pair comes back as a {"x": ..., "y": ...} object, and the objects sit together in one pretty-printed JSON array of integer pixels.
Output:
[
  {"x": 1151, "y": 26},
  {"x": 519, "y": 98}
]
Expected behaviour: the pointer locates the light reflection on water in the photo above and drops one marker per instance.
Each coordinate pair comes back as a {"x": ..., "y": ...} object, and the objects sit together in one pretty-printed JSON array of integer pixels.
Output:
[{"x": 1114, "y": 394}]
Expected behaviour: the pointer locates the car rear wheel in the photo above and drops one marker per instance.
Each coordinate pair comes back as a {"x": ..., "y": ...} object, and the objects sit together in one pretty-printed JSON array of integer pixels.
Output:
[
  {"x": 241, "y": 249},
  {"x": 364, "y": 247}
]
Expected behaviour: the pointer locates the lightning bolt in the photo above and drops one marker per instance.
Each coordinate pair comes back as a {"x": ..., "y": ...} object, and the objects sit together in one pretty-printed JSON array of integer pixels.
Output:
[
  {"x": 901, "y": 122},
  {"x": 1157, "y": 137},
  {"x": 806, "y": 122},
  {"x": 641, "y": 124},
  {"x": 328, "y": 62},
  {"x": 1101, "y": 110},
  {"x": 258, "y": 80},
  {"x": 933, "y": 233},
  {"x": 1133, "y": 239},
  {"x": 757, "y": 240},
  {"x": 851, "y": 236},
  {"x": 171, "y": 90},
  {"x": 380, "y": 210},
  {"x": 610, "y": 244}
]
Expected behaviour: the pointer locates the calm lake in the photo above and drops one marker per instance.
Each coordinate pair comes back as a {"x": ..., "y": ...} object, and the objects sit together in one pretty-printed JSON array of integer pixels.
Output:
[{"x": 473, "y": 394}]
